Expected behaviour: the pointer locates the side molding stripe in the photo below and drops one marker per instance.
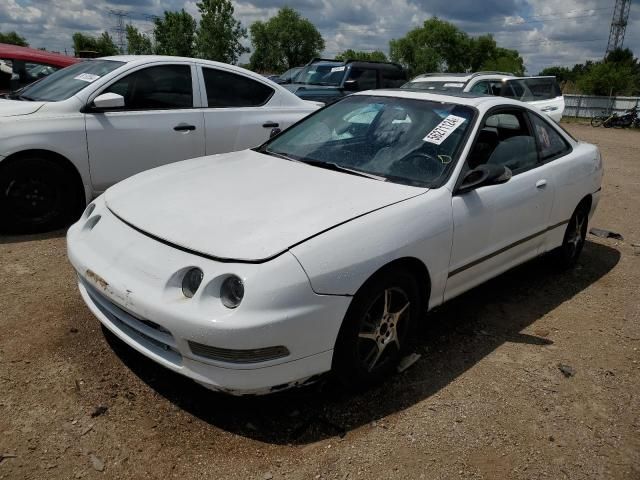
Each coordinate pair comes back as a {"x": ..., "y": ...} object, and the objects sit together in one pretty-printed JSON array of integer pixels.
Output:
[{"x": 504, "y": 249}]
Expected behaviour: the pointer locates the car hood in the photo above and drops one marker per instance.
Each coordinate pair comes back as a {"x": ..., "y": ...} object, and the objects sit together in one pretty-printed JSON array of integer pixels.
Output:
[
  {"x": 246, "y": 206},
  {"x": 11, "y": 108}
]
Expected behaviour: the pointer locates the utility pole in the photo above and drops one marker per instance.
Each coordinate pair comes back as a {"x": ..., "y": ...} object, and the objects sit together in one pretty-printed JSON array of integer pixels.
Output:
[
  {"x": 618, "y": 25},
  {"x": 119, "y": 30}
]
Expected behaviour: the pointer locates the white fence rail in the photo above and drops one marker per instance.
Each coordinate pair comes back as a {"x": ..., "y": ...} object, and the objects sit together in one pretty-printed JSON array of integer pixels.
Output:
[{"x": 586, "y": 106}]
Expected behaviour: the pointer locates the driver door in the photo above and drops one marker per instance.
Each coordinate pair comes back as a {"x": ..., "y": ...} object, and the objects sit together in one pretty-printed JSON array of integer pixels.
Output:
[
  {"x": 157, "y": 125},
  {"x": 499, "y": 226}
]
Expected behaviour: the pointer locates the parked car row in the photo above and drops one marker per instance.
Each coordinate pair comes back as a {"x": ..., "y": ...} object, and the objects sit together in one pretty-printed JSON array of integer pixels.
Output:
[{"x": 297, "y": 240}]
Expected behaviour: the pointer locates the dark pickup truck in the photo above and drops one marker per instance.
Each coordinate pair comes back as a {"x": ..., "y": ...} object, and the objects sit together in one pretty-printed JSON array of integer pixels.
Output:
[{"x": 326, "y": 81}]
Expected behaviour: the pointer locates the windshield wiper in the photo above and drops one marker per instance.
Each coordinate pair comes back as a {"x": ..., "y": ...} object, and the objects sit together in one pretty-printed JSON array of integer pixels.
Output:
[
  {"x": 276, "y": 154},
  {"x": 340, "y": 168}
]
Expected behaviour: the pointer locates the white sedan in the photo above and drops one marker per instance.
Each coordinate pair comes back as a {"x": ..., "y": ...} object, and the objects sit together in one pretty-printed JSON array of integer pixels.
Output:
[
  {"x": 259, "y": 270},
  {"x": 68, "y": 137}
]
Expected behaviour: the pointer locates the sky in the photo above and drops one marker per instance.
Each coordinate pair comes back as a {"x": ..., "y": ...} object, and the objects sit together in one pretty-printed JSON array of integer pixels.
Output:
[{"x": 545, "y": 32}]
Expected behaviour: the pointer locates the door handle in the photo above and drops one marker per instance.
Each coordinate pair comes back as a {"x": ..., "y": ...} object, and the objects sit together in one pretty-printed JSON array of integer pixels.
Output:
[
  {"x": 541, "y": 184},
  {"x": 183, "y": 127},
  {"x": 271, "y": 125}
]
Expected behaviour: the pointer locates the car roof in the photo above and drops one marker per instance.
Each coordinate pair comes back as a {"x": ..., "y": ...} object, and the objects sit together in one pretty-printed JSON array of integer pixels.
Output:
[
  {"x": 460, "y": 77},
  {"x": 15, "y": 52},
  {"x": 144, "y": 59},
  {"x": 460, "y": 98}
]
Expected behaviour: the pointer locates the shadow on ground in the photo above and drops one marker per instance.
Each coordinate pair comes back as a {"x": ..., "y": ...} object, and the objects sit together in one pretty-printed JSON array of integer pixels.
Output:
[
  {"x": 455, "y": 337},
  {"x": 6, "y": 239}
]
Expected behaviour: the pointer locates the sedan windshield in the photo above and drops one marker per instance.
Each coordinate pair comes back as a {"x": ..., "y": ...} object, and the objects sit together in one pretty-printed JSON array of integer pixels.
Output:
[
  {"x": 67, "y": 82},
  {"x": 437, "y": 86},
  {"x": 409, "y": 141},
  {"x": 325, "y": 73}
]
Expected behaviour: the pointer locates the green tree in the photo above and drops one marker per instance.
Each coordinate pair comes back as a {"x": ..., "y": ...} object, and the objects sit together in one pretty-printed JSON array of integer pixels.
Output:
[
  {"x": 376, "y": 55},
  {"x": 103, "y": 45},
  {"x": 175, "y": 34},
  {"x": 609, "y": 78},
  {"x": 439, "y": 46},
  {"x": 219, "y": 34},
  {"x": 284, "y": 41},
  {"x": 562, "y": 74},
  {"x": 504, "y": 60},
  {"x": 138, "y": 43},
  {"x": 14, "y": 39}
]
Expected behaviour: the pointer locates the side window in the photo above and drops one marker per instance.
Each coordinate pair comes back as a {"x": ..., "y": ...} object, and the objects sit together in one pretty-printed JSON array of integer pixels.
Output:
[
  {"x": 550, "y": 143},
  {"x": 482, "y": 88},
  {"x": 225, "y": 89},
  {"x": 156, "y": 88},
  {"x": 367, "y": 78},
  {"x": 505, "y": 139},
  {"x": 392, "y": 78}
]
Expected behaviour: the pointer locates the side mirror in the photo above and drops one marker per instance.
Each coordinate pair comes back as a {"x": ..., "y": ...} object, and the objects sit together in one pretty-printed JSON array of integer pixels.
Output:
[
  {"x": 484, "y": 175},
  {"x": 274, "y": 132},
  {"x": 351, "y": 86},
  {"x": 108, "y": 100}
]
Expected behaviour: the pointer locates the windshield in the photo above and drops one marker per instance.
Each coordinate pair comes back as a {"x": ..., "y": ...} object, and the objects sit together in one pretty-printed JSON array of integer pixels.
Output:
[
  {"x": 407, "y": 141},
  {"x": 325, "y": 73},
  {"x": 67, "y": 82},
  {"x": 433, "y": 85}
]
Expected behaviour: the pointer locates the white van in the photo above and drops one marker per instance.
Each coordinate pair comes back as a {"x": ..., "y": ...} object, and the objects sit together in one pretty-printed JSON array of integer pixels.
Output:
[{"x": 541, "y": 92}]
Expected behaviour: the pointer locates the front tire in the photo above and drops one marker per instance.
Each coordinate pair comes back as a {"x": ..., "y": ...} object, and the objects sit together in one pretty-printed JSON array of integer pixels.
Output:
[
  {"x": 575, "y": 236},
  {"x": 376, "y": 329},
  {"x": 36, "y": 195},
  {"x": 596, "y": 121}
]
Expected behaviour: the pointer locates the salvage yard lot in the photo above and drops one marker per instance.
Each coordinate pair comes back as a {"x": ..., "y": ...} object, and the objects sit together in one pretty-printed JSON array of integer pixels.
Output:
[{"x": 486, "y": 399}]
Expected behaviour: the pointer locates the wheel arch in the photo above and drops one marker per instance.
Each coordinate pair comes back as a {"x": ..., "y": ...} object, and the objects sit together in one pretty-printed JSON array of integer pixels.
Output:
[
  {"x": 585, "y": 203},
  {"x": 417, "y": 268},
  {"x": 60, "y": 160}
]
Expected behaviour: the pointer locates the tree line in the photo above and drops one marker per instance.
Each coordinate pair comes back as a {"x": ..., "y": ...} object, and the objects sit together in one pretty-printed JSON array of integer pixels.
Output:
[
  {"x": 288, "y": 40},
  {"x": 617, "y": 74}
]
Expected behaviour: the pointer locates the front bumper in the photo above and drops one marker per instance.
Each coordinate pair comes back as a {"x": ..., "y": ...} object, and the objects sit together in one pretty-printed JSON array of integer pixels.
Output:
[{"x": 131, "y": 283}]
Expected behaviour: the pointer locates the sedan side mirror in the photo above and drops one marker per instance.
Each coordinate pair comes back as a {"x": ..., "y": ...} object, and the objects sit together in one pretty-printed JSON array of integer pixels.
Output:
[
  {"x": 484, "y": 175},
  {"x": 108, "y": 100},
  {"x": 351, "y": 86}
]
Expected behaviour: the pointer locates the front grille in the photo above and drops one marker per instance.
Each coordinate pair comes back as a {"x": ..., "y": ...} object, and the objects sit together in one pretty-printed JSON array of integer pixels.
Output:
[
  {"x": 238, "y": 356},
  {"x": 145, "y": 332}
]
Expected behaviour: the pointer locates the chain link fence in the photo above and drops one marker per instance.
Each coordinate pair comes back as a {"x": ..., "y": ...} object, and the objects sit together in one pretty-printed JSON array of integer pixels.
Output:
[{"x": 586, "y": 106}]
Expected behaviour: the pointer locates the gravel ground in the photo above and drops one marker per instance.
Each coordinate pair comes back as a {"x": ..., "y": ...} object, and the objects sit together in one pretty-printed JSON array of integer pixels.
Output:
[{"x": 486, "y": 399}]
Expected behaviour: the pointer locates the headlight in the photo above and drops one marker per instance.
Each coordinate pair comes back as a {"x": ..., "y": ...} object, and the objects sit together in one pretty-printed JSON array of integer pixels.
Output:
[
  {"x": 191, "y": 281},
  {"x": 231, "y": 291}
]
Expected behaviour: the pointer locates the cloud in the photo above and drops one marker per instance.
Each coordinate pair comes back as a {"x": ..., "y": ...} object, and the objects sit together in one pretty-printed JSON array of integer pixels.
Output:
[{"x": 546, "y": 32}]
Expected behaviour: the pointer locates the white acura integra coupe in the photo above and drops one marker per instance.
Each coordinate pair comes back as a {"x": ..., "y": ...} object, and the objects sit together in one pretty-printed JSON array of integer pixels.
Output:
[{"x": 255, "y": 271}]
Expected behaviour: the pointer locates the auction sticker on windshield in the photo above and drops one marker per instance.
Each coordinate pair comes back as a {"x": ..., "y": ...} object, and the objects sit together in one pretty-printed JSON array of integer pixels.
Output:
[
  {"x": 445, "y": 128},
  {"x": 87, "y": 77}
]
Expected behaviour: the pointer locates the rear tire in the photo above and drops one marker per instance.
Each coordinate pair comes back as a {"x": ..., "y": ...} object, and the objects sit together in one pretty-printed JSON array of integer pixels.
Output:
[
  {"x": 376, "y": 329},
  {"x": 36, "y": 195},
  {"x": 575, "y": 235}
]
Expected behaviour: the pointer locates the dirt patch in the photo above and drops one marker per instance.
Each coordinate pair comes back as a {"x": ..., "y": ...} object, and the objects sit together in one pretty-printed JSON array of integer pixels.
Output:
[{"x": 487, "y": 398}]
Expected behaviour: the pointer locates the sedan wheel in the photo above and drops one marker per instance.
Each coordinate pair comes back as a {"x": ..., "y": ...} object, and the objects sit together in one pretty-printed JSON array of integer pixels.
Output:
[
  {"x": 574, "y": 238},
  {"x": 375, "y": 332},
  {"x": 36, "y": 195}
]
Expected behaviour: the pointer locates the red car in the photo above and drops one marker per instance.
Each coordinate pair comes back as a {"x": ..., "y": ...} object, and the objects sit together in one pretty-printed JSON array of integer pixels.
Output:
[{"x": 20, "y": 66}]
